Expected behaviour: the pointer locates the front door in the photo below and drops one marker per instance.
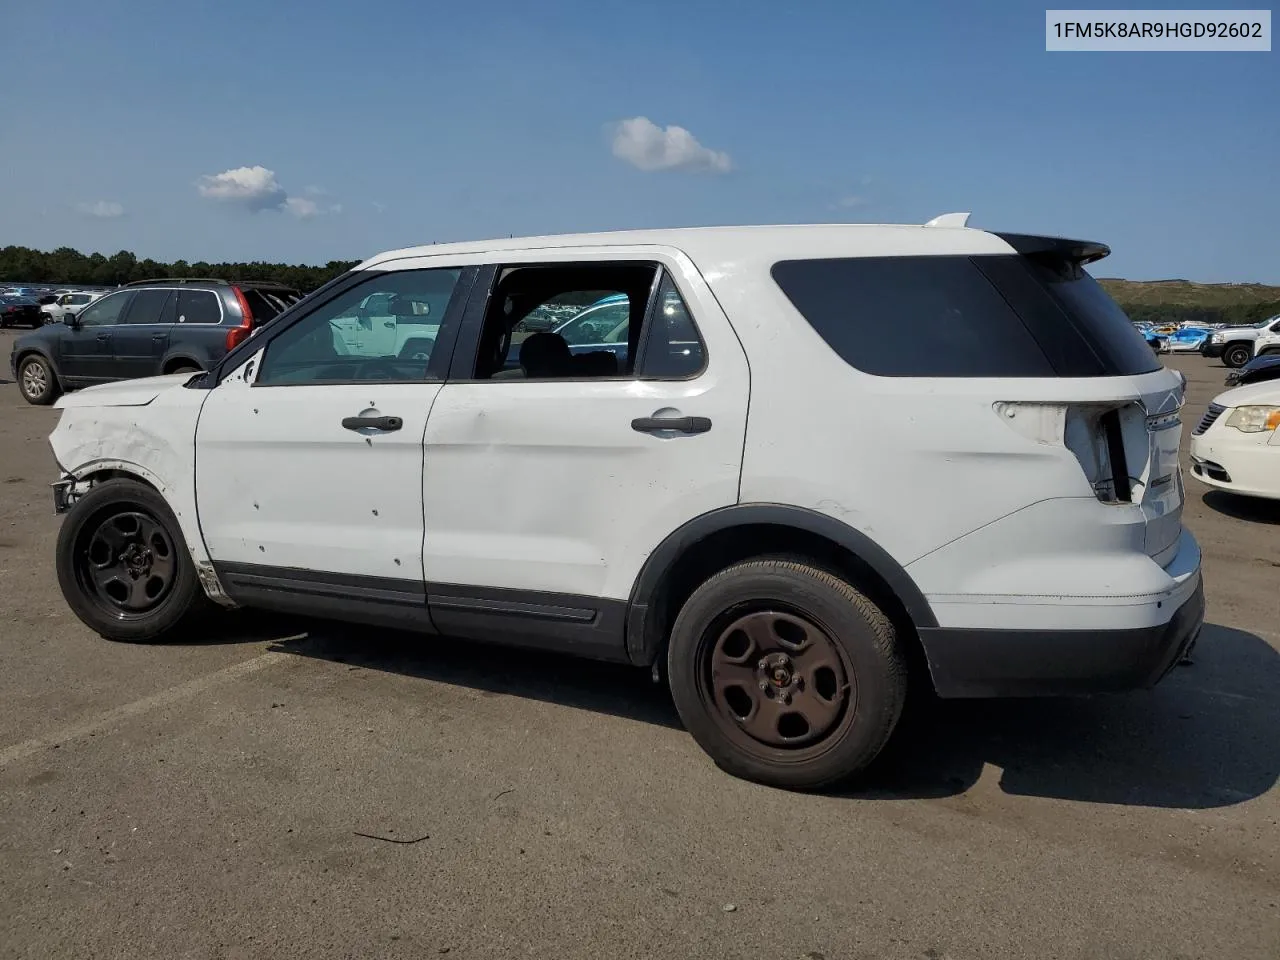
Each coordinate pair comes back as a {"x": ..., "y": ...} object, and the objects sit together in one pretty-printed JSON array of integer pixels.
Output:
[
  {"x": 548, "y": 485},
  {"x": 141, "y": 337},
  {"x": 84, "y": 349},
  {"x": 309, "y": 454}
]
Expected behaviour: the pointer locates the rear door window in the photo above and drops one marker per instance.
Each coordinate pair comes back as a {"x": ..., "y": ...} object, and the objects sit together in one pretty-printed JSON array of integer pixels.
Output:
[
  {"x": 151, "y": 306},
  {"x": 198, "y": 306}
]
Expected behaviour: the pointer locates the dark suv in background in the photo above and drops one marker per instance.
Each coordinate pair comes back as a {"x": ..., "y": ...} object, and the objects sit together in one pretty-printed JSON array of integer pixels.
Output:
[{"x": 144, "y": 329}]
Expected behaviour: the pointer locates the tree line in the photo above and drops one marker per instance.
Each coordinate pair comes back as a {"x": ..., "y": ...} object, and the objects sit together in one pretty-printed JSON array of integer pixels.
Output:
[{"x": 66, "y": 266}]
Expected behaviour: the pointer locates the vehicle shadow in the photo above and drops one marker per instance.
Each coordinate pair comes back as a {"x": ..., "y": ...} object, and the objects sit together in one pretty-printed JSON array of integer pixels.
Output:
[
  {"x": 1204, "y": 738},
  {"x": 609, "y": 688},
  {"x": 1254, "y": 509}
]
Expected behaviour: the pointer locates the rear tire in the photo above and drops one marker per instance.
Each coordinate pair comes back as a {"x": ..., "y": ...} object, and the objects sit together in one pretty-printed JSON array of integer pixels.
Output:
[
  {"x": 124, "y": 567},
  {"x": 37, "y": 382},
  {"x": 185, "y": 368},
  {"x": 786, "y": 675},
  {"x": 1237, "y": 355}
]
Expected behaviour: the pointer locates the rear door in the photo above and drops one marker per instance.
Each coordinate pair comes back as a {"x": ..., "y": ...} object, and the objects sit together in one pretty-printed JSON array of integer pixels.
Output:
[
  {"x": 84, "y": 351},
  {"x": 547, "y": 485},
  {"x": 139, "y": 342}
]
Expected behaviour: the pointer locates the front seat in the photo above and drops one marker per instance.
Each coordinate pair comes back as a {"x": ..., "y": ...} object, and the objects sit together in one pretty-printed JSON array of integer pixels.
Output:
[{"x": 545, "y": 355}]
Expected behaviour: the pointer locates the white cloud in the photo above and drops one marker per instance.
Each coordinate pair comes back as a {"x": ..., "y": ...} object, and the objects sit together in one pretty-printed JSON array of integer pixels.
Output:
[
  {"x": 256, "y": 188},
  {"x": 101, "y": 210},
  {"x": 379, "y": 207},
  {"x": 252, "y": 187},
  {"x": 849, "y": 202},
  {"x": 645, "y": 145},
  {"x": 303, "y": 208}
]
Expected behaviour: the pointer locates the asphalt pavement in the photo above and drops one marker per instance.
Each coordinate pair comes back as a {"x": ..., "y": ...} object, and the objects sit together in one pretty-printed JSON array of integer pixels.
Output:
[{"x": 278, "y": 789}]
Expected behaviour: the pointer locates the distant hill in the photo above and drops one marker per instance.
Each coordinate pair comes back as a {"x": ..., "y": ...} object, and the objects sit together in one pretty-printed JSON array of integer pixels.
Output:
[{"x": 1180, "y": 300}]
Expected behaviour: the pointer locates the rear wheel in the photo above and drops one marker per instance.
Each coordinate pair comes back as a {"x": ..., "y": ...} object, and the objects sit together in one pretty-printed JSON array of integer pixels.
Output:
[
  {"x": 124, "y": 567},
  {"x": 1237, "y": 354},
  {"x": 785, "y": 674},
  {"x": 185, "y": 368},
  {"x": 37, "y": 381}
]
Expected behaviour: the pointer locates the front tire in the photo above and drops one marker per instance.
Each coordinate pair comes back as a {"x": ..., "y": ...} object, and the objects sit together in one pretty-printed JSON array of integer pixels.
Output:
[
  {"x": 1237, "y": 355},
  {"x": 37, "y": 381},
  {"x": 124, "y": 567},
  {"x": 786, "y": 675}
]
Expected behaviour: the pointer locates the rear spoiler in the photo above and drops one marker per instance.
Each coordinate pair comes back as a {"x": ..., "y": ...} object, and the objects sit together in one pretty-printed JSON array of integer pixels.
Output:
[{"x": 1078, "y": 252}]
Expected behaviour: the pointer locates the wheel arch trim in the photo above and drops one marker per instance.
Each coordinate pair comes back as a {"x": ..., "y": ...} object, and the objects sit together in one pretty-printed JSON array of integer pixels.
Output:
[{"x": 691, "y": 533}]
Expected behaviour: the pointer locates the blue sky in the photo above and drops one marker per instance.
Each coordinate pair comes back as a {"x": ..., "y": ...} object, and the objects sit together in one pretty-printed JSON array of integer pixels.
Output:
[{"x": 391, "y": 123}]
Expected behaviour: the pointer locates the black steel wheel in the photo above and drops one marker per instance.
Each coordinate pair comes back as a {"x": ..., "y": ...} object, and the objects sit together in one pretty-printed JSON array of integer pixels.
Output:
[
  {"x": 1237, "y": 355},
  {"x": 785, "y": 674},
  {"x": 123, "y": 566}
]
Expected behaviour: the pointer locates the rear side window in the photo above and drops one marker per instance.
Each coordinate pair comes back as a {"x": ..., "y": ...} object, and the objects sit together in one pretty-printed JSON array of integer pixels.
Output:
[
  {"x": 984, "y": 316},
  {"x": 198, "y": 306},
  {"x": 912, "y": 317}
]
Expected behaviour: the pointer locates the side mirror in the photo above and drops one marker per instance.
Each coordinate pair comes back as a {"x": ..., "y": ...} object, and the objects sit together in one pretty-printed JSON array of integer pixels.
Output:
[{"x": 71, "y": 320}]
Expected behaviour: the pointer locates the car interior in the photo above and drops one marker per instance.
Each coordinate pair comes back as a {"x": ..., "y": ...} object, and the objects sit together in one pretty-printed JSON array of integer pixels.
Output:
[{"x": 508, "y": 352}]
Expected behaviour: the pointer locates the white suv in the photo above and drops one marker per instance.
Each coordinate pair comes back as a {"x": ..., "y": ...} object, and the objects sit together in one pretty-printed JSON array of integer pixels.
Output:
[
  {"x": 68, "y": 305},
  {"x": 825, "y": 454}
]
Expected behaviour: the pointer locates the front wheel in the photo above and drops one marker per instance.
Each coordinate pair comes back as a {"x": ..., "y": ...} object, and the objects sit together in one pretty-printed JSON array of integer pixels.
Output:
[
  {"x": 1237, "y": 355},
  {"x": 785, "y": 674},
  {"x": 37, "y": 382},
  {"x": 123, "y": 565}
]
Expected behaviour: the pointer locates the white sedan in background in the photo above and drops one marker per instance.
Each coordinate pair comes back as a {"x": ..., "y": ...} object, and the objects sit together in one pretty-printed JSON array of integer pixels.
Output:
[{"x": 1236, "y": 444}]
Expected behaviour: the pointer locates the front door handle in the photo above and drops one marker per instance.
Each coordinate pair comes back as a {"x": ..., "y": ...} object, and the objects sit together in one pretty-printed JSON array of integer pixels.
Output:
[
  {"x": 678, "y": 424},
  {"x": 372, "y": 423},
  {"x": 103, "y": 337},
  {"x": 158, "y": 336}
]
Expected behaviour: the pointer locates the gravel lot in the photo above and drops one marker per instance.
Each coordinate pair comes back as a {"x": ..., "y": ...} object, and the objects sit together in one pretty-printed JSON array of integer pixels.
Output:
[{"x": 211, "y": 799}]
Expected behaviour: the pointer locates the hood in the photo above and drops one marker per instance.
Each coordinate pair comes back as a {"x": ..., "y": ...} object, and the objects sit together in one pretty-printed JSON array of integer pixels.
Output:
[
  {"x": 1267, "y": 392},
  {"x": 125, "y": 393}
]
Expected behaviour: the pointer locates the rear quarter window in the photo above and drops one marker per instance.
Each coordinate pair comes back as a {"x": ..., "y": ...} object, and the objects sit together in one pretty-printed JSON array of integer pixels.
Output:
[
  {"x": 198, "y": 306},
  {"x": 912, "y": 317}
]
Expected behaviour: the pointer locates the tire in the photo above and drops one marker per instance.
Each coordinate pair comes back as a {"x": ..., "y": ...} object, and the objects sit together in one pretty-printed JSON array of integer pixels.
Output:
[
  {"x": 37, "y": 381},
  {"x": 1237, "y": 355},
  {"x": 124, "y": 567},
  {"x": 44, "y": 319},
  {"x": 847, "y": 681},
  {"x": 185, "y": 368}
]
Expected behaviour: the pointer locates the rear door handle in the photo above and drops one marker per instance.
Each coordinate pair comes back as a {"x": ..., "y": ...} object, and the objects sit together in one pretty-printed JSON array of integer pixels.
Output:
[
  {"x": 372, "y": 423},
  {"x": 159, "y": 336},
  {"x": 104, "y": 337},
  {"x": 678, "y": 424}
]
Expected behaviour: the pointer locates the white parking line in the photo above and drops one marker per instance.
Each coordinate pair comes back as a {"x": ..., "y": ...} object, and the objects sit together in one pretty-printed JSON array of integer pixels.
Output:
[{"x": 20, "y": 751}]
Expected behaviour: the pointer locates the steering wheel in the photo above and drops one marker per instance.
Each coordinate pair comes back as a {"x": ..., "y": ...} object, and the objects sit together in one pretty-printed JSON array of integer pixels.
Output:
[{"x": 379, "y": 368}]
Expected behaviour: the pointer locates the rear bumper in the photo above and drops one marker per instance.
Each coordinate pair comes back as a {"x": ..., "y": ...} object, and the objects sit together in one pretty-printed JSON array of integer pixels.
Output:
[{"x": 1024, "y": 663}]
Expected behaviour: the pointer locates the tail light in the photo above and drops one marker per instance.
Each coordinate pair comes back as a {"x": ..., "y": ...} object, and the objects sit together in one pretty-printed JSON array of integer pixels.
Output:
[{"x": 238, "y": 335}]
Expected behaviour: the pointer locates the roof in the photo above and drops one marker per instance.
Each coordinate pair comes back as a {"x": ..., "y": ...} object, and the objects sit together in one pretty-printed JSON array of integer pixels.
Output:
[{"x": 709, "y": 246}]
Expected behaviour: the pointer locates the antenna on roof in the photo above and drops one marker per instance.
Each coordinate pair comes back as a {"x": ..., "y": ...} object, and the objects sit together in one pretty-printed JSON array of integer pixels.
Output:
[{"x": 949, "y": 220}]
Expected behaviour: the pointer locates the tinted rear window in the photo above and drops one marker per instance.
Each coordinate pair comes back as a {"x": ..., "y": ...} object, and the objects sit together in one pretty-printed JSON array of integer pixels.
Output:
[
  {"x": 198, "y": 306},
  {"x": 987, "y": 316},
  {"x": 912, "y": 317}
]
